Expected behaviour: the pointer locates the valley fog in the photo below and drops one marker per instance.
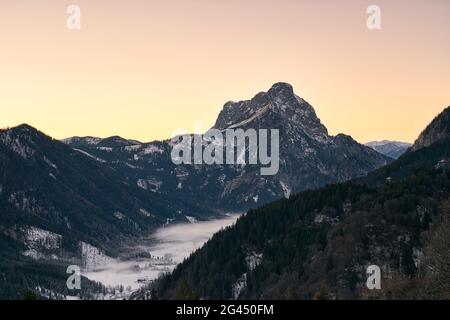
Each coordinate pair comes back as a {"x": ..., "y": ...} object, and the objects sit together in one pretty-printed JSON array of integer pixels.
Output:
[{"x": 171, "y": 245}]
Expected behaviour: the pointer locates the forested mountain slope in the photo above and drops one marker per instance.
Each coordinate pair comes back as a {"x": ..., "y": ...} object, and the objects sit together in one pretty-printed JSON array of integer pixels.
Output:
[{"x": 318, "y": 244}]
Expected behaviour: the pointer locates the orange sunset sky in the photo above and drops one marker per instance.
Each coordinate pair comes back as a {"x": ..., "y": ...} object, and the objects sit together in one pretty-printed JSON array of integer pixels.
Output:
[{"x": 143, "y": 69}]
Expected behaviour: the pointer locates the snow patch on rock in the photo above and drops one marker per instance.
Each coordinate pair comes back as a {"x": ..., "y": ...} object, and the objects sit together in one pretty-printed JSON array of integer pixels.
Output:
[
  {"x": 90, "y": 155},
  {"x": 39, "y": 242},
  {"x": 145, "y": 213},
  {"x": 253, "y": 260},
  {"x": 286, "y": 189},
  {"x": 191, "y": 219},
  {"x": 239, "y": 286},
  {"x": 119, "y": 215},
  {"x": 15, "y": 145},
  {"x": 92, "y": 257},
  {"x": 153, "y": 149}
]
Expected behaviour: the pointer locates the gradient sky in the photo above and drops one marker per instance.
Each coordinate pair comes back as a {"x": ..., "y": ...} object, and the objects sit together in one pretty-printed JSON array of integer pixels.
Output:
[{"x": 143, "y": 69}]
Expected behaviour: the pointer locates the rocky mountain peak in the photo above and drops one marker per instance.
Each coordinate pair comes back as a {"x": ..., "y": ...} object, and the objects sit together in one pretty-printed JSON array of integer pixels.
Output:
[
  {"x": 281, "y": 89},
  {"x": 308, "y": 156},
  {"x": 277, "y": 107}
]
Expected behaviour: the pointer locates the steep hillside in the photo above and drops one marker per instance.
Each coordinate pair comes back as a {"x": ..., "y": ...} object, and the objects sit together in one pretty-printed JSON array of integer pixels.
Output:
[
  {"x": 59, "y": 206},
  {"x": 319, "y": 243},
  {"x": 438, "y": 130}
]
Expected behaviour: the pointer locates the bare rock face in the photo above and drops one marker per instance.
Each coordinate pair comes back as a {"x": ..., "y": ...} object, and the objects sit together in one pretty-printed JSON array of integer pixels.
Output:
[{"x": 437, "y": 130}]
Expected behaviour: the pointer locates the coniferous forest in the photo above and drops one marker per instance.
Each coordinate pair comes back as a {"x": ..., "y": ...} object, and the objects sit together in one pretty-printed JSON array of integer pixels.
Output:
[{"x": 318, "y": 244}]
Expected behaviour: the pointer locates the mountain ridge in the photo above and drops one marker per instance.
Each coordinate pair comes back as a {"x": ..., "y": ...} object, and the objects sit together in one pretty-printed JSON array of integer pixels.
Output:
[
  {"x": 392, "y": 149},
  {"x": 396, "y": 218},
  {"x": 309, "y": 156}
]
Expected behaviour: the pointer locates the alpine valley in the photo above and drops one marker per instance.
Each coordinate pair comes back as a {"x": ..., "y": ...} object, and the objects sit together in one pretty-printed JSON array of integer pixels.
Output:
[
  {"x": 308, "y": 232},
  {"x": 318, "y": 244}
]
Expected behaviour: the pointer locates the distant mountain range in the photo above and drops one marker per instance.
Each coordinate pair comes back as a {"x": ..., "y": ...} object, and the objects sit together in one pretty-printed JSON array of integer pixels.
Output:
[
  {"x": 318, "y": 244},
  {"x": 391, "y": 149}
]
